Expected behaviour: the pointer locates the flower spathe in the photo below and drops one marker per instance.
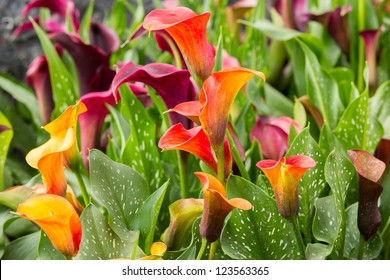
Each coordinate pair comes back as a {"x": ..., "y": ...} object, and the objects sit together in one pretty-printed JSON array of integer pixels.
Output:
[
  {"x": 188, "y": 30},
  {"x": 195, "y": 142},
  {"x": 61, "y": 149},
  {"x": 284, "y": 176},
  {"x": 217, "y": 97},
  {"x": 57, "y": 218},
  {"x": 216, "y": 206}
]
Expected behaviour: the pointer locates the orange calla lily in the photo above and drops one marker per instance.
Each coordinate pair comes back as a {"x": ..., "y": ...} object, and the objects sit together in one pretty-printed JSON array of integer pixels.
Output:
[
  {"x": 284, "y": 176},
  {"x": 61, "y": 149},
  {"x": 217, "y": 96},
  {"x": 216, "y": 206},
  {"x": 188, "y": 30},
  {"x": 195, "y": 142},
  {"x": 157, "y": 251},
  {"x": 57, "y": 218}
]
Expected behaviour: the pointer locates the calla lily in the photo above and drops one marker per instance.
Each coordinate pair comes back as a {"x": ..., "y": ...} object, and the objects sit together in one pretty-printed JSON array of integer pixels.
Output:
[
  {"x": 195, "y": 142},
  {"x": 293, "y": 12},
  {"x": 188, "y": 30},
  {"x": 39, "y": 78},
  {"x": 60, "y": 149},
  {"x": 182, "y": 214},
  {"x": 57, "y": 218},
  {"x": 173, "y": 85},
  {"x": 370, "y": 170},
  {"x": 238, "y": 11},
  {"x": 371, "y": 41},
  {"x": 157, "y": 251},
  {"x": 272, "y": 134},
  {"x": 216, "y": 206},
  {"x": 59, "y": 7},
  {"x": 284, "y": 176},
  {"x": 103, "y": 37},
  {"x": 382, "y": 152},
  {"x": 335, "y": 22},
  {"x": 217, "y": 97}
]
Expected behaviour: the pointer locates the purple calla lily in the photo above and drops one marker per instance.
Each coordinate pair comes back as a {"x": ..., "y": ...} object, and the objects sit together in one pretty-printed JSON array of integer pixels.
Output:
[
  {"x": 293, "y": 12},
  {"x": 173, "y": 85}
]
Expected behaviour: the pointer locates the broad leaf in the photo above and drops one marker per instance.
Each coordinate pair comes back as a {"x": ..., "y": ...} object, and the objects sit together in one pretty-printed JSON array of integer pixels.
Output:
[
  {"x": 119, "y": 188},
  {"x": 356, "y": 130},
  {"x": 321, "y": 88},
  {"x": 65, "y": 92},
  {"x": 140, "y": 151},
  {"x": 314, "y": 180},
  {"x": 6, "y": 134},
  {"x": 99, "y": 241},
  {"x": 380, "y": 107},
  {"x": 339, "y": 173},
  {"x": 146, "y": 218},
  {"x": 318, "y": 251},
  {"x": 260, "y": 233},
  {"x": 23, "y": 248},
  {"x": 5, "y": 219}
]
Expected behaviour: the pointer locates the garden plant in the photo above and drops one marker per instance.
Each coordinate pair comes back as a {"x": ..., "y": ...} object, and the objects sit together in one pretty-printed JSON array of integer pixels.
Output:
[{"x": 199, "y": 130}]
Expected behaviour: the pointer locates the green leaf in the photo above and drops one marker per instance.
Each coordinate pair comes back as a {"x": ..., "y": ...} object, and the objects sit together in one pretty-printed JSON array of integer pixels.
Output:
[
  {"x": 23, "y": 248},
  {"x": 344, "y": 79},
  {"x": 318, "y": 251},
  {"x": 372, "y": 248},
  {"x": 328, "y": 141},
  {"x": 145, "y": 219},
  {"x": 380, "y": 107},
  {"x": 118, "y": 188},
  {"x": 99, "y": 241},
  {"x": 86, "y": 23},
  {"x": 278, "y": 104},
  {"x": 260, "y": 233},
  {"x": 313, "y": 182},
  {"x": 218, "y": 54},
  {"x": 300, "y": 113},
  {"x": 5, "y": 140},
  {"x": 273, "y": 31},
  {"x": 65, "y": 93},
  {"x": 46, "y": 251},
  {"x": 339, "y": 173},
  {"x": 119, "y": 127},
  {"x": 23, "y": 95},
  {"x": 5, "y": 219},
  {"x": 356, "y": 130},
  {"x": 321, "y": 88},
  {"x": 141, "y": 151}
]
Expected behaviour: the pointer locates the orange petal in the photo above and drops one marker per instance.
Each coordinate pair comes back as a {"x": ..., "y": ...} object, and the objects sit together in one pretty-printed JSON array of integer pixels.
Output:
[
  {"x": 158, "y": 249},
  {"x": 217, "y": 96},
  {"x": 57, "y": 218},
  {"x": 188, "y": 30}
]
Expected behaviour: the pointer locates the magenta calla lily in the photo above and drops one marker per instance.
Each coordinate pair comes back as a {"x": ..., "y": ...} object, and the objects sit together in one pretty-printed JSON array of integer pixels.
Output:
[
  {"x": 38, "y": 77},
  {"x": 272, "y": 134},
  {"x": 103, "y": 37},
  {"x": 173, "y": 85},
  {"x": 188, "y": 30},
  {"x": 293, "y": 12},
  {"x": 371, "y": 41},
  {"x": 59, "y": 7}
]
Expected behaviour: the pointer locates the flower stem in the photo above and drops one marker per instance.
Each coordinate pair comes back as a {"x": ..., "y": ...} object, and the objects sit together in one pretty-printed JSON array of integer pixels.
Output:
[
  {"x": 202, "y": 249},
  {"x": 295, "y": 224},
  {"x": 182, "y": 160},
  {"x": 213, "y": 249},
  {"x": 362, "y": 242},
  {"x": 221, "y": 164},
  {"x": 237, "y": 158},
  {"x": 83, "y": 188}
]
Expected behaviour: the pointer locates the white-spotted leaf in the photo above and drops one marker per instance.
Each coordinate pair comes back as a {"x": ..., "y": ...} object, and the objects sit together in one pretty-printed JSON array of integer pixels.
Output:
[
  {"x": 100, "y": 242},
  {"x": 119, "y": 188}
]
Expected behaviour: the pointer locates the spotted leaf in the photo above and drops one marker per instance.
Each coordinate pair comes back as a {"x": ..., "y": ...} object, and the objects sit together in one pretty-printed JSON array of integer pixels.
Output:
[
  {"x": 380, "y": 107},
  {"x": 314, "y": 180},
  {"x": 140, "y": 150},
  {"x": 260, "y": 233},
  {"x": 99, "y": 241},
  {"x": 6, "y": 134},
  {"x": 356, "y": 129},
  {"x": 119, "y": 188}
]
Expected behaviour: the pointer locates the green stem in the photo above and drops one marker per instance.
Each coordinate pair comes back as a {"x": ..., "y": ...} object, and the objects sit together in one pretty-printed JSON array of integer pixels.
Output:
[
  {"x": 295, "y": 224},
  {"x": 213, "y": 249},
  {"x": 362, "y": 242},
  {"x": 182, "y": 160},
  {"x": 237, "y": 158},
  {"x": 83, "y": 188},
  {"x": 221, "y": 164},
  {"x": 202, "y": 249},
  {"x": 387, "y": 226}
]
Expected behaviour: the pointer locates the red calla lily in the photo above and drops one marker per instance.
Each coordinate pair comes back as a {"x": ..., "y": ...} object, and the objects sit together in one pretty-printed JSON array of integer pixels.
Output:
[{"x": 188, "y": 30}]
